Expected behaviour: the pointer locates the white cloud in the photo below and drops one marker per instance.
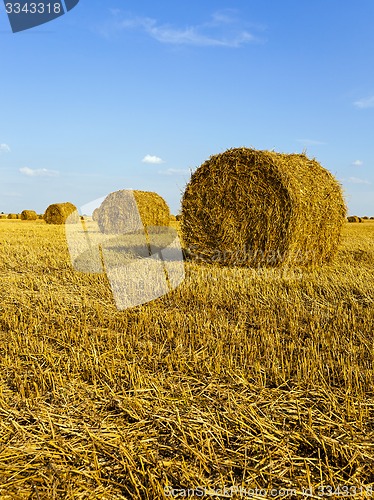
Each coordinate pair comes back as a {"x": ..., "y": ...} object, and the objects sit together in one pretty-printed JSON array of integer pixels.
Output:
[
  {"x": 365, "y": 103},
  {"x": 356, "y": 180},
  {"x": 4, "y": 148},
  {"x": 10, "y": 194},
  {"x": 224, "y": 16},
  {"x": 357, "y": 163},
  {"x": 222, "y": 30},
  {"x": 193, "y": 36},
  {"x": 311, "y": 142},
  {"x": 152, "y": 159},
  {"x": 173, "y": 171},
  {"x": 38, "y": 172}
]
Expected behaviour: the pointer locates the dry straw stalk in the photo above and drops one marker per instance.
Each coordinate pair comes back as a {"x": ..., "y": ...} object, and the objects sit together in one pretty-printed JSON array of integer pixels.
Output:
[
  {"x": 60, "y": 213},
  {"x": 261, "y": 208},
  {"x": 126, "y": 211}
]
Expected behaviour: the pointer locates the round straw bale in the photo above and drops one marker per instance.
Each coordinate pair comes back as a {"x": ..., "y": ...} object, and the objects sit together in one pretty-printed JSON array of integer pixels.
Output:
[
  {"x": 95, "y": 214},
  {"x": 365, "y": 217},
  {"x": 12, "y": 216},
  {"x": 260, "y": 208},
  {"x": 360, "y": 219},
  {"x": 353, "y": 218},
  {"x": 371, "y": 218},
  {"x": 61, "y": 213},
  {"x": 127, "y": 211},
  {"x": 3, "y": 216},
  {"x": 29, "y": 215}
]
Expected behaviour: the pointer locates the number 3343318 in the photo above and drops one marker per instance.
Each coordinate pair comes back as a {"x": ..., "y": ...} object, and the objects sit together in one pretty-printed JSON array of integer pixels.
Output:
[{"x": 33, "y": 8}]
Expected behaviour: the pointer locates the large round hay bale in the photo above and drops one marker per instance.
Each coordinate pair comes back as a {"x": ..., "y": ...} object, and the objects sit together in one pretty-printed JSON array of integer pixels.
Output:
[
  {"x": 12, "y": 216},
  {"x": 3, "y": 216},
  {"x": 261, "y": 208},
  {"x": 365, "y": 217},
  {"x": 353, "y": 218},
  {"x": 127, "y": 211},
  {"x": 29, "y": 215},
  {"x": 61, "y": 213}
]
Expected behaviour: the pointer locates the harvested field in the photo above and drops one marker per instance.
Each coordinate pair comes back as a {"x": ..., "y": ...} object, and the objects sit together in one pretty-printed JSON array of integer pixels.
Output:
[{"x": 239, "y": 377}]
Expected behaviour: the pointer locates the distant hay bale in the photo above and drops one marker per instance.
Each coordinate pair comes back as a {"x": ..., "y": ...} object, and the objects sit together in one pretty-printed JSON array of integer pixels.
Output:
[
  {"x": 95, "y": 214},
  {"x": 371, "y": 218},
  {"x": 29, "y": 215},
  {"x": 12, "y": 216},
  {"x": 40, "y": 216},
  {"x": 260, "y": 208},
  {"x": 353, "y": 218},
  {"x": 365, "y": 217},
  {"x": 127, "y": 211},
  {"x": 61, "y": 213},
  {"x": 178, "y": 217},
  {"x": 360, "y": 219},
  {"x": 3, "y": 216}
]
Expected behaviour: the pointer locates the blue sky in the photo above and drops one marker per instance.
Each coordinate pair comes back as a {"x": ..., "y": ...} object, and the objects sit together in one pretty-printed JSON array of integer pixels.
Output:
[{"x": 127, "y": 94}]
